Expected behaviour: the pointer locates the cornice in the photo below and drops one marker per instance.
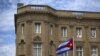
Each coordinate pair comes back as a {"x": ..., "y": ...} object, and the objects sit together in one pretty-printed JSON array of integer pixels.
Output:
[{"x": 58, "y": 13}]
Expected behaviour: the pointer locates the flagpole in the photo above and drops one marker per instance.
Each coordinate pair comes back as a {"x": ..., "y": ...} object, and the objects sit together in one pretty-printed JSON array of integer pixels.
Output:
[{"x": 73, "y": 47}]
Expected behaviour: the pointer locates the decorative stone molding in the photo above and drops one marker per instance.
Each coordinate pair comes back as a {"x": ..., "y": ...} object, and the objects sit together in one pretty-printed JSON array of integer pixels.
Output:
[
  {"x": 37, "y": 39},
  {"x": 29, "y": 21},
  {"x": 86, "y": 26},
  {"x": 71, "y": 25},
  {"x": 21, "y": 42}
]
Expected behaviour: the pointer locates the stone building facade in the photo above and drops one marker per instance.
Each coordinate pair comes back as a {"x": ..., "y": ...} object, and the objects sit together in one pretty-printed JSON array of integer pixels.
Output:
[{"x": 41, "y": 28}]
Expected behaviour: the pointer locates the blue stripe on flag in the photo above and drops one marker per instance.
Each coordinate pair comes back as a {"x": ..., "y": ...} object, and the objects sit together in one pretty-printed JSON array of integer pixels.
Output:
[
  {"x": 63, "y": 51},
  {"x": 61, "y": 47}
]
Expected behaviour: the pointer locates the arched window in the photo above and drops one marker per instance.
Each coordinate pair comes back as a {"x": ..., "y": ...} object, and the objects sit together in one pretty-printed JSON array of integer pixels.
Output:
[
  {"x": 37, "y": 47},
  {"x": 22, "y": 31}
]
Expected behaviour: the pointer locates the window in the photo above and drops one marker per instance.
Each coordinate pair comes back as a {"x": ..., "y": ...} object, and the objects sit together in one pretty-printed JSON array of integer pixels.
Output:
[
  {"x": 93, "y": 32},
  {"x": 79, "y": 32},
  {"x": 22, "y": 30},
  {"x": 94, "y": 51},
  {"x": 37, "y": 49},
  {"x": 79, "y": 51},
  {"x": 37, "y": 27},
  {"x": 64, "y": 54},
  {"x": 51, "y": 29},
  {"x": 64, "y": 32}
]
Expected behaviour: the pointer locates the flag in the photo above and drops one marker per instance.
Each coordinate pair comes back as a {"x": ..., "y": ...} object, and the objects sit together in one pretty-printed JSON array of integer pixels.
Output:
[{"x": 64, "y": 47}]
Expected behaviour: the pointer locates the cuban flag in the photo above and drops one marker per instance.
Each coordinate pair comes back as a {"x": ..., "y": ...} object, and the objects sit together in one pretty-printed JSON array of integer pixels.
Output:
[{"x": 64, "y": 47}]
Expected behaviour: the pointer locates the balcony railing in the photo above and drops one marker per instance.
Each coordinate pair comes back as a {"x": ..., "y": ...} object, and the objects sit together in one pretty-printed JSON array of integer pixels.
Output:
[
  {"x": 33, "y": 8},
  {"x": 62, "y": 13}
]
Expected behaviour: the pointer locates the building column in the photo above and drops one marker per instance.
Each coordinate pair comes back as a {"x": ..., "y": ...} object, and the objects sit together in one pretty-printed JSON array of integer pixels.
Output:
[
  {"x": 17, "y": 38},
  {"x": 72, "y": 35},
  {"x": 86, "y": 45},
  {"x": 28, "y": 38},
  {"x": 98, "y": 34},
  {"x": 46, "y": 38}
]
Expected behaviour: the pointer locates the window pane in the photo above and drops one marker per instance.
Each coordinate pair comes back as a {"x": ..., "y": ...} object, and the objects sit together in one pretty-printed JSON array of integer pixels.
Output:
[
  {"x": 39, "y": 45},
  {"x": 93, "y": 32},
  {"x": 79, "y": 32},
  {"x": 35, "y": 45},
  {"x": 51, "y": 29},
  {"x": 64, "y": 54},
  {"x": 94, "y": 51},
  {"x": 37, "y": 27},
  {"x": 22, "y": 30},
  {"x": 64, "y": 32},
  {"x": 79, "y": 51},
  {"x": 37, "y": 49}
]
